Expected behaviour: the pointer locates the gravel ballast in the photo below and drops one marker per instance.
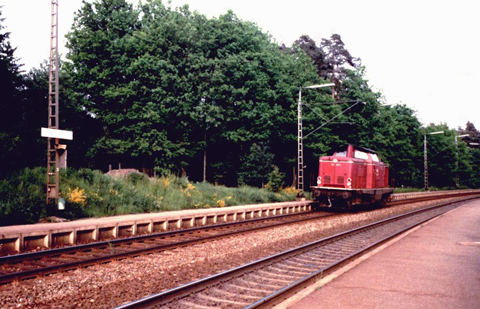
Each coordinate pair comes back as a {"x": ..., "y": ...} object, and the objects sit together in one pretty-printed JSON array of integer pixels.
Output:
[{"x": 110, "y": 285}]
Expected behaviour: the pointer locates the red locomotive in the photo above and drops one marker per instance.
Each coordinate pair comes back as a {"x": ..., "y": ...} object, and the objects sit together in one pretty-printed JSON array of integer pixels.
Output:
[{"x": 353, "y": 176}]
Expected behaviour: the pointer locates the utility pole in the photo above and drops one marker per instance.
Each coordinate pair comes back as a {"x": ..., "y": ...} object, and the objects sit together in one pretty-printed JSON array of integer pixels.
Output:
[
  {"x": 53, "y": 157},
  {"x": 425, "y": 157},
  {"x": 205, "y": 156},
  {"x": 300, "y": 145},
  {"x": 56, "y": 152},
  {"x": 425, "y": 162},
  {"x": 457, "y": 178},
  {"x": 300, "y": 165}
]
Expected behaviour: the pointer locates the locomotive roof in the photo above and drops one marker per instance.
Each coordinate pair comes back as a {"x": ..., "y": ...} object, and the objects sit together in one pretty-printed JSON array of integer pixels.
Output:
[{"x": 344, "y": 147}]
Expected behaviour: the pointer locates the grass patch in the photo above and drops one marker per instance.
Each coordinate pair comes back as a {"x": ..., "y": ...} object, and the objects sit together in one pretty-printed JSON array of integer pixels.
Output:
[{"x": 90, "y": 193}]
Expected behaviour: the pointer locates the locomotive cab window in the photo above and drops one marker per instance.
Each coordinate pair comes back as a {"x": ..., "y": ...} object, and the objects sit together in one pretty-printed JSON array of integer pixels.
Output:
[
  {"x": 375, "y": 157},
  {"x": 361, "y": 155},
  {"x": 341, "y": 154}
]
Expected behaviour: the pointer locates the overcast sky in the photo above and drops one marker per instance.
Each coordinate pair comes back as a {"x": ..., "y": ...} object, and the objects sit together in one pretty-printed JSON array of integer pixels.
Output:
[{"x": 421, "y": 53}]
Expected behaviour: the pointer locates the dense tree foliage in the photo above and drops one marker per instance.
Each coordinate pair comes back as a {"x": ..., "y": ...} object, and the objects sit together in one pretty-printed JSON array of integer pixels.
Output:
[
  {"x": 10, "y": 81},
  {"x": 331, "y": 59},
  {"x": 164, "y": 83},
  {"x": 338, "y": 57},
  {"x": 256, "y": 166},
  {"x": 468, "y": 173},
  {"x": 152, "y": 86},
  {"x": 20, "y": 113}
]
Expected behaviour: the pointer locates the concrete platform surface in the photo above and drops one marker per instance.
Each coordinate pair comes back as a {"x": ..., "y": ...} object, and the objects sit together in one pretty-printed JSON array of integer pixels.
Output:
[
  {"x": 21, "y": 238},
  {"x": 435, "y": 266}
]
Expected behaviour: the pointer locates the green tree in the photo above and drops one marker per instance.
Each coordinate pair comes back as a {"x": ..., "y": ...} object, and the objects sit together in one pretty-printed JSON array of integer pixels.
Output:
[
  {"x": 338, "y": 57},
  {"x": 331, "y": 58},
  {"x": 256, "y": 166},
  {"x": 100, "y": 52},
  {"x": 441, "y": 155},
  {"x": 316, "y": 53},
  {"x": 276, "y": 179},
  {"x": 473, "y": 133},
  {"x": 15, "y": 113},
  {"x": 166, "y": 85},
  {"x": 398, "y": 136},
  {"x": 470, "y": 177}
]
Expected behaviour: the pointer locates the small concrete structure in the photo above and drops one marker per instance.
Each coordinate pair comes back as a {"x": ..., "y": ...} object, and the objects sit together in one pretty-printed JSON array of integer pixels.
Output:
[
  {"x": 20, "y": 238},
  {"x": 437, "y": 265}
]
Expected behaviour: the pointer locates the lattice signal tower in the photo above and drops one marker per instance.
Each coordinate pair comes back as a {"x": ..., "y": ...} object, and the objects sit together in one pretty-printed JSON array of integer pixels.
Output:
[{"x": 53, "y": 110}]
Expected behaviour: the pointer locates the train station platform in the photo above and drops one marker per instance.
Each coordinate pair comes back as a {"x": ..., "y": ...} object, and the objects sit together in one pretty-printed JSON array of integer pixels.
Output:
[
  {"x": 21, "y": 238},
  {"x": 436, "y": 265}
]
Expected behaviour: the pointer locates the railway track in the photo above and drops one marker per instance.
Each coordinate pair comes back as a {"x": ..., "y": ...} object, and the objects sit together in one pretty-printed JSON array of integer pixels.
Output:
[
  {"x": 34, "y": 264},
  {"x": 399, "y": 200},
  {"x": 266, "y": 282}
]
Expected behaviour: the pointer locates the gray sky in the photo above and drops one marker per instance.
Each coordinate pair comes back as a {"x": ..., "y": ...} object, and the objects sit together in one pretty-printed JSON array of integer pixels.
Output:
[{"x": 421, "y": 53}]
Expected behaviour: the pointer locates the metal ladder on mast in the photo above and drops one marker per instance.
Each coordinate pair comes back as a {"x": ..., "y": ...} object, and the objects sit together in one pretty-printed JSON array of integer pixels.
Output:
[
  {"x": 53, "y": 111},
  {"x": 300, "y": 149}
]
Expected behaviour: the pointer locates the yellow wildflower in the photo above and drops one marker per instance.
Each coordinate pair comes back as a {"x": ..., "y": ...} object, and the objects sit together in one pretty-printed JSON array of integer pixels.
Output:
[
  {"x": 166, "y": 182},
  {"x": 290, "y": 190},
  {"x": 77, "y": 195}
]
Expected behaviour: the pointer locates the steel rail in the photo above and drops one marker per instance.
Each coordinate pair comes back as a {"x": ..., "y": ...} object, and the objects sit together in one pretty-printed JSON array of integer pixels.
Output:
[
  {"x": 430, "y": 197},
  {"x": 65, "y": 250},
  {"x": 102, "y": 252},
  {"x": 85, "y": 255},
  {"x": 185, "y": 293}
]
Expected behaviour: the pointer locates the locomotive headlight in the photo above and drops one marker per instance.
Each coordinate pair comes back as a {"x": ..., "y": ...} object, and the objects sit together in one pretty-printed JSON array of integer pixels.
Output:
[
  {"x": 319, "y": 180},
  {"x": 349, "y": 182}
]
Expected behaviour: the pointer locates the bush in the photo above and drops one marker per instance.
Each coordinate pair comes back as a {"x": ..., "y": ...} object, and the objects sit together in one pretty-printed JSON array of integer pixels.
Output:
[
  {"x": 137, "y": 178},
  {"x": 23, "y": 197},
  {"x": 275, "y": 179},
  {"x": 91, "y": 193}
]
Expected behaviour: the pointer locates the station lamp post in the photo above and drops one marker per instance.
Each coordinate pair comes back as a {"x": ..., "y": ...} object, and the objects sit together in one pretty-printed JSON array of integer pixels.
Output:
[
  {"x": 425, "y": 162},
  {"x": 300, "y": 136},
  {"x": 457, "y": 179}
]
